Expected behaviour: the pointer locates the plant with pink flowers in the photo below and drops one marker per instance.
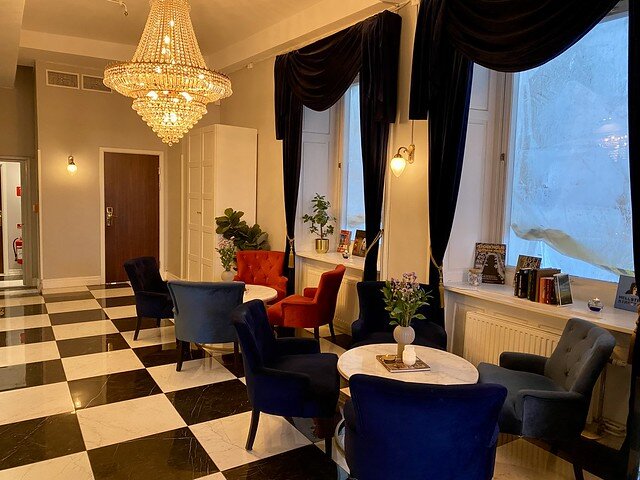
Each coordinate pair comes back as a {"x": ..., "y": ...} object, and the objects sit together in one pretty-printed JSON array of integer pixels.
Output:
[
  {"x": 403, "y": 297},
  {"x": 227, "y": 250}
]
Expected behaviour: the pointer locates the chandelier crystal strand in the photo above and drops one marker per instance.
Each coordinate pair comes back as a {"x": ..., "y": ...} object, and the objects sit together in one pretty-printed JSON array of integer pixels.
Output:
[{"x": 168, "y": 78}]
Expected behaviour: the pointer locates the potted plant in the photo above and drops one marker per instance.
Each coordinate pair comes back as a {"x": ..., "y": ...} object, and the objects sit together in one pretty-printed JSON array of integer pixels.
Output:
[
  {"x": 321, "y": 222},
  {"x": 232, "y": 227},
  {"x": 402, "y": 300},
  {"x": 227, "y": 251}
]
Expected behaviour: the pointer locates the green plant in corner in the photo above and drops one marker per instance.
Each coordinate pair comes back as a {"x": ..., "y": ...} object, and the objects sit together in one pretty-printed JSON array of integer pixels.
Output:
[
  {"x": 232, "y": 227},
  {"x": 320, "y": 220}
]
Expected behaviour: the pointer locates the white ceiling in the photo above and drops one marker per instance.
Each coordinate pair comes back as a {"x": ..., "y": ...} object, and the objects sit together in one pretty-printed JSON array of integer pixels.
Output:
[{"x": 218, "y": 23}]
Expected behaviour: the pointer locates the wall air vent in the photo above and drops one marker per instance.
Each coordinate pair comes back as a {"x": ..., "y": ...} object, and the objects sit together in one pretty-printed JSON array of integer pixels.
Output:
[
  {"x": 90, "y": 82},
  {"x": 63, "y": 79}
]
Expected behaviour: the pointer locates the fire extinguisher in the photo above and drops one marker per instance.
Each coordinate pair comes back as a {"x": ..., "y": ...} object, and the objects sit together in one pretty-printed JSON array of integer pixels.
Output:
[{"x": 17, "y": 250}]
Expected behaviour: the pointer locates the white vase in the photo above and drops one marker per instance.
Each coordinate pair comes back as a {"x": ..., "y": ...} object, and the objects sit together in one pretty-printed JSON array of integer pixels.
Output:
[
  {"x": 227, "y": 276},
  {"x": 403, "y": 336}
]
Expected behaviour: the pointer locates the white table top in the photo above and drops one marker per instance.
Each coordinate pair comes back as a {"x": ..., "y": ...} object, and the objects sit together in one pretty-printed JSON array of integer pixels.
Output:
[
  {"x": 259, "y": 292},
  {"x": 446, "y": 368}
]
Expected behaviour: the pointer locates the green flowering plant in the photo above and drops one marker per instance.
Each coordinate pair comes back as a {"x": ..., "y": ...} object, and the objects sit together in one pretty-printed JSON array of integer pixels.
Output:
[
  {"x": 227, "y": 251},
  {"x": 403, "y": 297}
]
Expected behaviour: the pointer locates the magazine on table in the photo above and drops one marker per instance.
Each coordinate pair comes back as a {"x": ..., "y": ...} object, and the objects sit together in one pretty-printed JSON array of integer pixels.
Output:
[{"x": 394, "y": 364}]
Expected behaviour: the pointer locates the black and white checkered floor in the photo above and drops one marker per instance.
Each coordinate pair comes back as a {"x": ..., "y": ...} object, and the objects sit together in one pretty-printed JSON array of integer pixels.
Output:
[{"x": 80, "y": 399}]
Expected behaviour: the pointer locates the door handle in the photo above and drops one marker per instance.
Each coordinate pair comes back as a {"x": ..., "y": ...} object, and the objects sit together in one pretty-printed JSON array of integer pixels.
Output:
[{"x": 109, "y": 217}]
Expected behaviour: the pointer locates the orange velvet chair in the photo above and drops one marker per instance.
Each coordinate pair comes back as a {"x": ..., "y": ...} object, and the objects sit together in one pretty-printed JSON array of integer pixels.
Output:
[
  {"x": 262, "y": 267},
  {"x": 314, "y": 308}
]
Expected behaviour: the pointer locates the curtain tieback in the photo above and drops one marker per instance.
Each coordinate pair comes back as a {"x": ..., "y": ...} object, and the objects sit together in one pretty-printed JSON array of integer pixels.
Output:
[
  {"x": 440, "y": 278},
  {"x": 291, "y": 241},
  {"x": 374, "y": 242}
]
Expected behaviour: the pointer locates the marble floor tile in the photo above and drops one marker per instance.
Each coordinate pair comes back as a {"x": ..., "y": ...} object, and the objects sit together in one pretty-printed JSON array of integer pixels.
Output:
[
  {"x": 19, "y": 283},
  {"x": 109, "y": 286},
  {"x": 112, "y": 292},
  {"x": 31, "y": 375},
  {"x": 84, "y": 329},
  {"x": 224, "y": 439},
  {"x": 116, "y": 387},
  {"x": 150, "y": 336},
  {"x": 194, "y": 373},
  {"x": 110, "y": 302},
  {"x": 208, "y": 402},
  {"x": 34, "y": 402},
  {"x": 18, "y": 301},
  {"x": 72, "y": 306},
  {"x": 39, "y": 439},
  {"x": 77, "y": 317},
  {"x": 32, "y": 352},
  {"x": 214, "y": 476},
  {"x": 336, "y": 455},
  {"x": 89, "y": 345},
  {"x": 22, "y": 310},
  {"x": 30, "y": 321},
  {"x": 342, "y": 340},
  {"x": 229, "y": 362},
  {"x": 70, "y": 467},
  {"x": 121, "y": 312},
  {"x": 175, "y": 455},
  {"x": 128, "y": 324},
  {"x": 67, "y": 296},
  {"x": 118, "y": 422},
  {"x": 26, "y": 336},
  {"x": 163, "y": 354},
  {"x": 19, "y": 292},
  {"x": 103, "y": 363},
  {"x": 329, "y": 347},
  {"x": 54, "y": 291}
]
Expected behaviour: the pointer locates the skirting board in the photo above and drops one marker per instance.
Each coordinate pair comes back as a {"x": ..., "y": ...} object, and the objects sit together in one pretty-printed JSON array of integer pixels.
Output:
[
  {"x": 170, "y": 276},
  {"x": 70, "y": 282}
]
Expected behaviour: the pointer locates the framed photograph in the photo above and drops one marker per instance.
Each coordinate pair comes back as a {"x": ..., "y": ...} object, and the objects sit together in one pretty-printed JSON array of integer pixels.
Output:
[
  {"x": 562, "y": 285},
  {"x": 359, "y": 244},
  {"x": 490, "y": 258},
  {"x": 345, "y": 241},
  {"x": 627, "y": 294}
]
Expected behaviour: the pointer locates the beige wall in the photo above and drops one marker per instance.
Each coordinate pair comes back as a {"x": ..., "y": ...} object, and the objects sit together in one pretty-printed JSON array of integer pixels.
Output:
[
  {"x": 17, "y": 121},
  {"x": 78, "y": 123}
]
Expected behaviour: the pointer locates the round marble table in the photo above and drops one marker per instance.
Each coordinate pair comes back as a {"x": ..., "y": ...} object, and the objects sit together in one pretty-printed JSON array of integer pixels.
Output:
[
  {"x": 259, "y": 292},
  {"x": 446, "y": 368}
]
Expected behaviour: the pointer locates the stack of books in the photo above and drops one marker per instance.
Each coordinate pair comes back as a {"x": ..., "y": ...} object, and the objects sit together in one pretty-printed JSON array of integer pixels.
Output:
[{"x": 542, "y": 285}]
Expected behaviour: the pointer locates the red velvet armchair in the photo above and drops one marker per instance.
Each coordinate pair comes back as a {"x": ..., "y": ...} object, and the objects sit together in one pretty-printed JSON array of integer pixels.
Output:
[
  {"x": 262, "y": 267},
  {"x": 315, "y": 307}
]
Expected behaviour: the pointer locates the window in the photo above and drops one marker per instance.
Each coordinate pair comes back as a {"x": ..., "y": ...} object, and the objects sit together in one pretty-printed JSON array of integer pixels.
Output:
[{"x": 569, "y": 196}]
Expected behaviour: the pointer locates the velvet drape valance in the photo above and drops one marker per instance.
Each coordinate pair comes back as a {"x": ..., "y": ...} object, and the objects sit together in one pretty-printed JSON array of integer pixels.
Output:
[{"x": 317, "y": 76}]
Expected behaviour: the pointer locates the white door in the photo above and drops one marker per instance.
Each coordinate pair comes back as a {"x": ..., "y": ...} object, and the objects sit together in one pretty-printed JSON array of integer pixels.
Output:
[
  {"x": 194, "y": 207},
  {"x": 208, "y": 216}
]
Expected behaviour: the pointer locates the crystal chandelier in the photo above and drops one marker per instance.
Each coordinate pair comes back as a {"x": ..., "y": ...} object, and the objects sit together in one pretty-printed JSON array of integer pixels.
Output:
[{"x": 167, "y": 78}]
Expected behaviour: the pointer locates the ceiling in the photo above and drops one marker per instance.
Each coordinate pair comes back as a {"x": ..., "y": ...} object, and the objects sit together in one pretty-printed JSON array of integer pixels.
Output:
[{"x": 217, "y": 23}]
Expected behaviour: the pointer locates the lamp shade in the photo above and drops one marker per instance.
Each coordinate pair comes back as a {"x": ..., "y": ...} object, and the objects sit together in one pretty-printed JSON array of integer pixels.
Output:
[{"x": 398, "y": 164}]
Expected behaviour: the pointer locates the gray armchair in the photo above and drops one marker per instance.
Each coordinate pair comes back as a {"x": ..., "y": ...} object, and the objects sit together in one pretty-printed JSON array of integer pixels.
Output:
[{"x": 548, "y": 398}]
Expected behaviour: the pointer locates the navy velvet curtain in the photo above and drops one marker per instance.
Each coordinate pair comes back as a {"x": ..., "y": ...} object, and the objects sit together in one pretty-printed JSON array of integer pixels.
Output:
[{"x": 317, "y": 76}]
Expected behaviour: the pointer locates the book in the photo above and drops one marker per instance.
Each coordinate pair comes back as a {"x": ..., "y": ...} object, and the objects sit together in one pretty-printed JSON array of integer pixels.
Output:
[
  {"x": 525, "y": 261},
  {"x": 562, "y": 286},
  {"x": 534, "y": 283},
  {"x": 627, "y": 294},
  {"x": 395, "y": 365},
  {"x": 345, "y": 241},
  {"x": 546, "y": 291},
  {"x": 523, "y": 282},
  {"x": 490, "y": 258},
  {"x": 359, "y": 244}
]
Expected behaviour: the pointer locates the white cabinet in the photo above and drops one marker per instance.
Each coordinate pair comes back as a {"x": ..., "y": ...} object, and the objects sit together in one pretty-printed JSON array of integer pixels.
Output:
[{"x": 219, "y": 172}]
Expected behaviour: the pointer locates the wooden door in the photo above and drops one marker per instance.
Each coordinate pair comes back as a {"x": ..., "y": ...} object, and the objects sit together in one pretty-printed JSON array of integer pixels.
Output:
[
  {"x": 132, "y": 210},
  {"x": 3, "y": 241}
]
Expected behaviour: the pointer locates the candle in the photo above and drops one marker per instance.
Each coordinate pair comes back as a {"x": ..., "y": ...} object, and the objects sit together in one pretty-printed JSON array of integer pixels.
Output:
[{"x": 409, "y": 355}]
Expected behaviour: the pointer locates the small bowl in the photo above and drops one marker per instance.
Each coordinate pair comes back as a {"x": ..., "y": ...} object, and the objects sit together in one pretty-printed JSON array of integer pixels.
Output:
[{"x": 595, "y": 305}]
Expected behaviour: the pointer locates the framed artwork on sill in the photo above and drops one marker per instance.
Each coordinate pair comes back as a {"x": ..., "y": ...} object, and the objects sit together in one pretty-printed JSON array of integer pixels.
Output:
[
  {"x": 359, "y": 244},
  {"x": 345, "y": 241},
  {"x": 627, "y": 294}
]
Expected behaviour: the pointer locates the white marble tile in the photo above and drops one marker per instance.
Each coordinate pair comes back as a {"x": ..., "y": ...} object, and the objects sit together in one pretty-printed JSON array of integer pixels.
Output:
[
  {"x": 84, "y": 329},
  {"x": 72, "y": 306},
  {"x": 35, "y": 402},
  {"x": 28, "y": 321},
  {"x": 214, "y": 476},
  {"x": 336, "y": 455},
  {"x": 193, "y": 374},
  {"x": 19, "y": 301},
  {"x": 151, "y": 336},
  {"x": 112, "y": 292},
  {"x": 121, "y": 312},
  {"x": 104, "y": 363},
  {"x": 69, "y": 467},
  {"x": 31, "y": 352},
  {"x": 122, "y": 421},
  {"x": 224, "y": 439},
  {"x": 54, "y": 291},
  {"x": 328, "y": 347}
]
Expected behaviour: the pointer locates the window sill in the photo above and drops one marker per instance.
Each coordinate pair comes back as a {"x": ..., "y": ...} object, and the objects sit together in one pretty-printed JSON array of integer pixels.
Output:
[
  {"x": 610, "y": 318},
  {"x": 335, "y": 258}
]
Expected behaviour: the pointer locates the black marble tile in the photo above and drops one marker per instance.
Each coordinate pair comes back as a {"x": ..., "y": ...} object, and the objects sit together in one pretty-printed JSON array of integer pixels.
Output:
[
  {"x": 31, "y": 375},
  {"x": 88, "y": 345},
  {"x": 116, "y": 387},
  {"x": 116, "y": 301},
  {"x": 155, "y": 355},
  {"x": 108, "y": 286},
  {"x": 232, "y": 364},
  {"x": 208, "y": 402},
  {"x": 22, "y": 310},
  {"x": 315, "y": 429},
  {"x": 175, "y": 454},
  {"x": 306, "y": 463},
  {"x": 129, "y": 324},
  {"x": 77, "y": 317},
  {"x": 68, "y": 297},
  {"x": 40, "y": 439},
  {"x": 342, "y": 340},
  {"x": 27, "y": 335}
]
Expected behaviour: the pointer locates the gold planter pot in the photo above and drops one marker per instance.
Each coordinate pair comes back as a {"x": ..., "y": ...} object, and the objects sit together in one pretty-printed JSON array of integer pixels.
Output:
[{"x": 322, "y": 245}]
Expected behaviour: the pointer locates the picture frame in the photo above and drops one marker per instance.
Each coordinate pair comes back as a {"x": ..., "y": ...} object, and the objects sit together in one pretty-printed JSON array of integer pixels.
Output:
[
  {"x": 359, "y": 244},
  {"x": 627, "y": 294},
  {"x": 344, "y": 242}
]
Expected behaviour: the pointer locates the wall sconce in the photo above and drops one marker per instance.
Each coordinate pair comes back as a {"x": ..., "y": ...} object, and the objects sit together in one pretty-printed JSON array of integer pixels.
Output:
[
  {"x": 72, "y": 168},
  {"x": 399, "y": 162}
]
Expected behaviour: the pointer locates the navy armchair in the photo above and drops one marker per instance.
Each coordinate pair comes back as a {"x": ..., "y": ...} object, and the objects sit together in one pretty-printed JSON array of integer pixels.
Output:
[
  {"x": 151, "y": 292},
  {"x": 372, "y": 326},
  {"x": 285, "y": 376},
  {"x": 549, "y": 398},
  {"x": 413, "y": 431}
]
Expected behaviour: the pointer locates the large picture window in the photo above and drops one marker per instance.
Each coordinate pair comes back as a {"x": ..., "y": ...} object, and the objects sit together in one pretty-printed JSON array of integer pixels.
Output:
[{"x": 352, "y": 217}]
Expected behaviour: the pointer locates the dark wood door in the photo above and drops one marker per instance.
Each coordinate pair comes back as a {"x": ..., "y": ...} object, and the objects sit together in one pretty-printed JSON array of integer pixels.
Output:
[
  {"x": 2, "y": 239},
  {"x": 132, "y": 210}
]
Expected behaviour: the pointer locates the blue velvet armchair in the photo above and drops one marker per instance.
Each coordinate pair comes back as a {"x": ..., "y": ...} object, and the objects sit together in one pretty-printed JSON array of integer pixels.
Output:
[
  {"x": 548, "y": 398},
  {"x": 152, "y": 295},
  {"x": 372, "y": 325},
  {"x": 285, "y": 376},
  {"x": 202, "y": 313},
  {"x": 412, "y": 431}
]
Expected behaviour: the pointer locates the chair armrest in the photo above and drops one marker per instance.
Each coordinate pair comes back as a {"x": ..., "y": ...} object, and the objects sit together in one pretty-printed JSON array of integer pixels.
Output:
[
  {"x": 431, "y": 332},
  {"x": 310, "y": 292},
  {"x": 552, "y": 415},
  {"x": 350, "y": 416},
  {"x": 273, "y": 388},
  {"x": 358, "y": 330},
  {"x": 297, "y": 346},
  {"x": 281, "y": 282},
  {"x": 524, "y": 362}
]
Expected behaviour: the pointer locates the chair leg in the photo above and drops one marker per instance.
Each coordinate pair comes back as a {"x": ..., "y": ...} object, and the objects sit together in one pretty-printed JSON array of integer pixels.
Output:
[
  {"x": 328, "y": 444},
  {"x": 181, "y": 353},
  {"x": 158, "y": 322},
  {"x": 316, "y": 332},
  {"x": 333, "y": 333},
  {"x": 255, "y": 418},
  {"x": 577, "y": 472},
  {"x": 236, "y": 352},
  {"x": 138, "y": 325}
]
